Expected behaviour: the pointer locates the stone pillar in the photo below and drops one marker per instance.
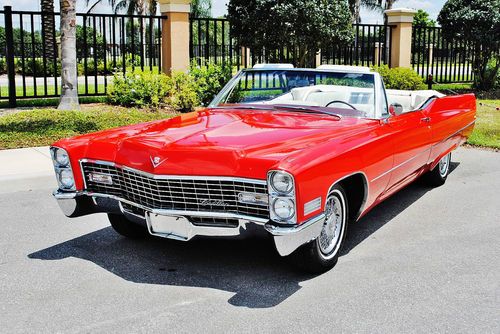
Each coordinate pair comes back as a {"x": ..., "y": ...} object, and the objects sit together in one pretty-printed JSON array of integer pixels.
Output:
[
  {"x": 402, "y": 20},
  {"x": 245, "y": 57},
  {"x": 318, "y": 58},
  {"x": 377, "y": 53},
  {"x": 175, "y": 35}
]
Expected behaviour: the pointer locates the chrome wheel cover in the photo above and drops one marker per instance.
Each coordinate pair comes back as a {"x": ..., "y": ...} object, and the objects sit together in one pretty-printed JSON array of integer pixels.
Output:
[
  {"x": 444, "y": 165},
  {"x": 333, "y": 228}
]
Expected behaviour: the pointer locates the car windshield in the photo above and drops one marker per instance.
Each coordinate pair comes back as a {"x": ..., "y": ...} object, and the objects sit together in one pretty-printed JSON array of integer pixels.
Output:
[{"x": 344, "y": 93}]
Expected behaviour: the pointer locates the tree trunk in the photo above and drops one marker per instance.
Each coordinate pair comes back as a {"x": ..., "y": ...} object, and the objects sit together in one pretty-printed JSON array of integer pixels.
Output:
[
  {"x": 69, "y": 74},
  {"x": 48, "y": 27}
]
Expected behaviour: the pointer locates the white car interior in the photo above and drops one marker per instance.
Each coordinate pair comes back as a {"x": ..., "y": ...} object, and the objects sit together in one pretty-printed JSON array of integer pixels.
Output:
[
  {"x": 410, "y": 99},
  {"x": 328, "y": 95}
]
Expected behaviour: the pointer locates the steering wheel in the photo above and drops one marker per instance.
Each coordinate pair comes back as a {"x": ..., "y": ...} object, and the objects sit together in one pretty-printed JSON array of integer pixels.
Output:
[{"x": 343, "y": 102}]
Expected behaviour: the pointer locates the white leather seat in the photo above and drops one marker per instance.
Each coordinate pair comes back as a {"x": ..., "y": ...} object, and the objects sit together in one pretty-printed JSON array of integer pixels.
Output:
[{"x": 410, "y": 99}]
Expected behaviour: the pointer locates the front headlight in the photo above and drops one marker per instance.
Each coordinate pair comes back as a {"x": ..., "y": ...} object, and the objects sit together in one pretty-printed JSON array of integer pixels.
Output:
[
  {"x": 284, "y": 208},
  {"x": 281, "y": 182},
  {"x": 281, "y": 188},
  {"x": 66, "y": 178},
  {"x": 62, "y": 167},
  {"x": 61, "y": 157}
]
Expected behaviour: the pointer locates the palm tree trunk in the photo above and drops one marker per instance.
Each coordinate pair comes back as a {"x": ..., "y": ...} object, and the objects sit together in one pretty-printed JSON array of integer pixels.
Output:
[
  {"x": 48, "y": 27},
  {"x": 69, "y": 76}
]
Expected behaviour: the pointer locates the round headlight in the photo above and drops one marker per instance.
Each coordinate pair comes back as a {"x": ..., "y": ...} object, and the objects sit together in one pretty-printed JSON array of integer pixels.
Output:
[
  {"x": 61, "y": 157},
  {"x": 283, "y": 208},
  {"x": 282, "y": 182},
  {"x": 66, "y": 178}
]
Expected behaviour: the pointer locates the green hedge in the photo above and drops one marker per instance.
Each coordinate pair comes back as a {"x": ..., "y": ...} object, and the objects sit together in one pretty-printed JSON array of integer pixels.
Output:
[
  {"x": 181, "y": 91},
  {"x": 400, "y": 78}
]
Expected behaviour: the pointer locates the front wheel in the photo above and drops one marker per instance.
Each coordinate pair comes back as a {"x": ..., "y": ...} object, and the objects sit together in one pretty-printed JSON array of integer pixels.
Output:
[
  {"x": 322, "y": 253},
  {"x": 437, "y": 176}
]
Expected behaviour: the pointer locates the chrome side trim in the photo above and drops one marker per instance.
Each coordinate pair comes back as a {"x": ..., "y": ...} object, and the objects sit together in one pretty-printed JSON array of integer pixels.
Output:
[
  {"x": 172, "y": 177},
  {"x": 400, "y": 165}
]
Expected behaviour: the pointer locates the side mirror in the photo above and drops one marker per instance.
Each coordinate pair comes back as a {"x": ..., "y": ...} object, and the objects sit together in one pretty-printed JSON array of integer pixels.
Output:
[{"x": 395, "y": 109}]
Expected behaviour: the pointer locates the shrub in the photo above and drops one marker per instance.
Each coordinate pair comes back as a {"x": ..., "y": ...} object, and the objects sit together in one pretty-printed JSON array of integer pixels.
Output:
[
  {"x": 139, "y": 89},
  {"x": 183, "y": 92},
  {"x": 210, "y": 80},
  {"x": 3, "y": 66},
  {"x": 143, "y": 89},
  {"x": 400, "y": 78}
]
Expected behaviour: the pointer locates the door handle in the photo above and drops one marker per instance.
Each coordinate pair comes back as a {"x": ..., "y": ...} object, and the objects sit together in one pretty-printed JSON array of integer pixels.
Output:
[{"x": 426, "y": 119}]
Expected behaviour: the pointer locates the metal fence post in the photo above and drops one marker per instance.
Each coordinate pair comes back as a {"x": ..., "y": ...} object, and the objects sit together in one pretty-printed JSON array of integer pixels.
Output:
[{"x": 9, "y": 55}]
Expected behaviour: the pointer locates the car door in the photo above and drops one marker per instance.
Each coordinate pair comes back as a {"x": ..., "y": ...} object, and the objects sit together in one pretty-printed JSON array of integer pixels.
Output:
[{"x": 411, "y": 134}]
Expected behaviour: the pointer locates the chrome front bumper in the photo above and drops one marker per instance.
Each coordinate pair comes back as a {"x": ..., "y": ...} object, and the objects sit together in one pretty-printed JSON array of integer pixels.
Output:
[{"x": 176, "y": 225}]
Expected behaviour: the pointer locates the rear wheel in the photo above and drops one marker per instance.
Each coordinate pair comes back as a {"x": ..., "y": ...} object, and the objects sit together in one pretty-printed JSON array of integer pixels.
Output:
[
  {"x": 127, "y": 228},
  {"x": 437, "y": 176},
  {"x": 322, "y": 253}
]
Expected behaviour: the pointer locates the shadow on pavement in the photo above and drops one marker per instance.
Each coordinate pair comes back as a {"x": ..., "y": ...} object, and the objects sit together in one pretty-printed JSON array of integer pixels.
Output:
[{"x": 251, "y": 268}]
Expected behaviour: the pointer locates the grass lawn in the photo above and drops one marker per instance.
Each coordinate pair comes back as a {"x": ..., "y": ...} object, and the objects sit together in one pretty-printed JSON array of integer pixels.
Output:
[
  {"x": 40, "y": 127},
  {"x": 487, "y": 130}
]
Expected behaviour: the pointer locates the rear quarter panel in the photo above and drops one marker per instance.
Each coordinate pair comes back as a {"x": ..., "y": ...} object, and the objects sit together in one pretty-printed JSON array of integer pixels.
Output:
[{"x": 452, "y": 122}]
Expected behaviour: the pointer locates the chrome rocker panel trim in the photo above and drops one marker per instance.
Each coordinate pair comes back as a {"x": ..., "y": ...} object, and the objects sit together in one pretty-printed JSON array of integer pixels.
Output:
[{"x": 287, "y": 239}]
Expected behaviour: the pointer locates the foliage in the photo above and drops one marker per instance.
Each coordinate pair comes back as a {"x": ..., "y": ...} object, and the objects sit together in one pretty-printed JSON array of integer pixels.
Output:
[
  {"x": 182, "y": 94},
  {"x": 26, "y": 46},
  {"x": 129, "y": 6},
  {"x": 210, "y": 79},
  {"x": 35, "y": 67},
  {"x": 400, "y": 78},
  {"x": 201, "y": 8},
  {"x": 3, "y": 65},
  {"x": 304, "y": 24},
  {"x": 40, "y": 127},
  {"x": 85, "y": 41},
  {"x": 476, "y": 22},
  {"x": 143, "y": 89},
  {"x": 422, "y": 19},
  {"x": 139, "y": 89}
]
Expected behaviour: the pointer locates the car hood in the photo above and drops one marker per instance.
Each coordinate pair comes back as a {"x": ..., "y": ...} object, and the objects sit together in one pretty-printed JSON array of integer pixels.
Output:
[{"x": 221, "y": 142}]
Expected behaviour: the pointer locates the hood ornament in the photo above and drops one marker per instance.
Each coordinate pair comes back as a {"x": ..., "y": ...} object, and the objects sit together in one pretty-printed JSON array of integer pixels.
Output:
[{"x": 156, "y": 161}]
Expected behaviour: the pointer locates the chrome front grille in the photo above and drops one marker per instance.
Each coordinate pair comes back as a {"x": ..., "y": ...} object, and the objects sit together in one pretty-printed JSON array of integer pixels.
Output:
[{"x": 174, "y": 193}]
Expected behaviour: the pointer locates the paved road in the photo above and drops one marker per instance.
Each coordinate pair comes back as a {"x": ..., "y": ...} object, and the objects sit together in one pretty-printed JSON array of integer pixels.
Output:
[{"x": 426, "y": 261}]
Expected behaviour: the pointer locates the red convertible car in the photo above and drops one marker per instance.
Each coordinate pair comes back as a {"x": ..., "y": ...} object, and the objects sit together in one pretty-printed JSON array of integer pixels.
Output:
[{"x": 294, "y": 153}]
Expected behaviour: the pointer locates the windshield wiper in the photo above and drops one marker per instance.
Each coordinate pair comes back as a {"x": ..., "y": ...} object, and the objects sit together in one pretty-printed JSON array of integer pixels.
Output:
[{"x": 308, "y": 110}]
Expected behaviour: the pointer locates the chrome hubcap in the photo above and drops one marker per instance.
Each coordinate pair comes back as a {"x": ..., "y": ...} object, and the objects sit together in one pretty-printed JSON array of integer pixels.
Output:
[
  {"x": 444, "y": 164},
  {"x": 332, "y": 228}
]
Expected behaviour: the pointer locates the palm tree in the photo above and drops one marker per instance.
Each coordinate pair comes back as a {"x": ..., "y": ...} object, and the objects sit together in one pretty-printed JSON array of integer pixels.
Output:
[
  {"x": 131, "y": 7},
  {"x": 201, "y": 8},
  {"x": 355, "y": 6},
  {"x": 48, "y": 27},
  {"x": 69, "y": 74}
]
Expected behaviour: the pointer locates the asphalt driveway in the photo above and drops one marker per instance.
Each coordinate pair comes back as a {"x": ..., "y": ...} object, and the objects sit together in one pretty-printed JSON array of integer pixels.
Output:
[{"x": 425, "y": 261}]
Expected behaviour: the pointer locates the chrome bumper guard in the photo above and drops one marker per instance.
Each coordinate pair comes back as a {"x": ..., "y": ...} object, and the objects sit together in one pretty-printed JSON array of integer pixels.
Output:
[{"x": 175, "y": 225}]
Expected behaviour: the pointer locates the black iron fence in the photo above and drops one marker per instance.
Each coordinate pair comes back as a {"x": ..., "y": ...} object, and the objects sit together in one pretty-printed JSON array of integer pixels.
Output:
[
  {"x": 371, "y": 46},
  {"x": 211, "y": 41},
  {"x": 107, "y": 44},
  {"x": 445, "y": 60}
]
